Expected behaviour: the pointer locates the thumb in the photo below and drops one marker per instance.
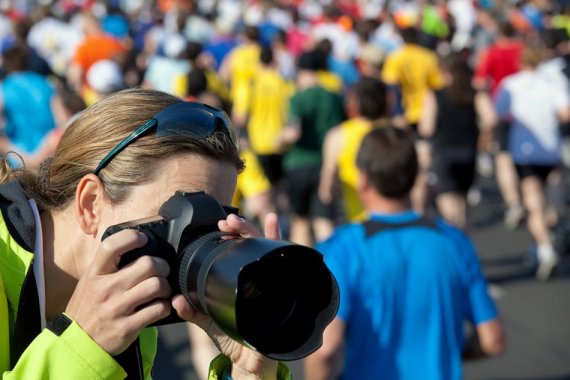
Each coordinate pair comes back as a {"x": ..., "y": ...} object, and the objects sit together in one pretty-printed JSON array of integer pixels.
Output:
[
  {"x": 271, "y": 226},
  {"x": 111, "y": 249}
]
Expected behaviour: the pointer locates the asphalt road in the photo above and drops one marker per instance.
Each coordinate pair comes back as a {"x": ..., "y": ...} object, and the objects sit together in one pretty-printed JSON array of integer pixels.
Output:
[{"x": 536, "y": 315}]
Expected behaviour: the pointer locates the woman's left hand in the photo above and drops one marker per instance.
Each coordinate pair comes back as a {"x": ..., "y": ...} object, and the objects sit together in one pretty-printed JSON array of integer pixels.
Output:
[{"x": 246, "y": 363}]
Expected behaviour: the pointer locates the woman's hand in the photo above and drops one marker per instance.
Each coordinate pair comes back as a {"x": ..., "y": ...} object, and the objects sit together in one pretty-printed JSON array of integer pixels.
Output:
[
  {"x": 246, "y": 363},
  {"x": 113, "y": 305}
]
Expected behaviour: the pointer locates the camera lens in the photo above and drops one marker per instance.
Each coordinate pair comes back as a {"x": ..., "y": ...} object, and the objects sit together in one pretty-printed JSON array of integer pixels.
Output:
[
  {"x": 272, "y": 295},
  {"x": 265, "y": 288}
]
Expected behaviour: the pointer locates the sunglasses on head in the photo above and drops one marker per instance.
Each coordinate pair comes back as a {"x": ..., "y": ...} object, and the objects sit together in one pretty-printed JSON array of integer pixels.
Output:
[{"x": 186, "y": 118}]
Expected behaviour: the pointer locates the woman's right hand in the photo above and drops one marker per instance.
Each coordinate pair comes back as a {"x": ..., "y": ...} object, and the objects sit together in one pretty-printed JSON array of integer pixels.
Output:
[
  {"x": 113, "y": 305},
  {"x": 246, "y": 363}
]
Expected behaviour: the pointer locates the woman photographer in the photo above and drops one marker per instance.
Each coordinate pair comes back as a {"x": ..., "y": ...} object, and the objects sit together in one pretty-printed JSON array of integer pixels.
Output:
[{"x": 66, "y": 310}]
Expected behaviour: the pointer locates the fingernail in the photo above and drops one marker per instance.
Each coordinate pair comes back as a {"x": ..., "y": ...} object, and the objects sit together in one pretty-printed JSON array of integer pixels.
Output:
[
  {"x": 239, "y": 218},
  {"x": 143, "y": 237}
]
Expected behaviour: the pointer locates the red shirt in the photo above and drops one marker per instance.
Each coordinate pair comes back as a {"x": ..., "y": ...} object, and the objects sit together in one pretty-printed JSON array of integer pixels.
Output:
[{"x": 499, "y": 61}]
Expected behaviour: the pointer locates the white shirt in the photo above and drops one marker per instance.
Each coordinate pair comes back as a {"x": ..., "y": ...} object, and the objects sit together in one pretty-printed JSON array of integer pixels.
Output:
[{"x": 532, "y": 103}]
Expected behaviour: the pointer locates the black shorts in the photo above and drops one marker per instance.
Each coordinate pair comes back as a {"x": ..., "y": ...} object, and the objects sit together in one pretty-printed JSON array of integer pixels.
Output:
[
  {"x": 540, "y": 171},
  {"x": 502, "y": 136},
  {"x": 272, "y": 165},
  {"x": 452, "y": 176},
  {"x": 303, "y": 192},
  {"x": 413, "y": 132}
]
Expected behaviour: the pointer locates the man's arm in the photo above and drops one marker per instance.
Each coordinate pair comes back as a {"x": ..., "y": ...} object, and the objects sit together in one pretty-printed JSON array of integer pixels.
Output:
[
  {"x": 327, "y": 362},
  {"x": 482, "y": 73},
  {"x": 427, "y": 124},
  {"x": 291, "y": 133},
  {"x": 485, "y": 111},
  {"x": 487, "y": 340},
  {"x": 487, "y": 337},
  {"x": 331, "y": 149}
]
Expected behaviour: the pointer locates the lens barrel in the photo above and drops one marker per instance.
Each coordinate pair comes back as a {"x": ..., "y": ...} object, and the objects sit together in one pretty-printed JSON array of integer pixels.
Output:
[{"x": 272, "y": 295}]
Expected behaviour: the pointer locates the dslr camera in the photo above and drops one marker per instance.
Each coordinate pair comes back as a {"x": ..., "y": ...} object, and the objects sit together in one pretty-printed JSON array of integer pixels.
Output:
[{"x": 270, "y": 295}]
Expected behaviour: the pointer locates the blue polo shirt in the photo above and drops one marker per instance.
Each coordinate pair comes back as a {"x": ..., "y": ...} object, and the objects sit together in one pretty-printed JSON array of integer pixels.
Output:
[{"x": 407, "y": 285}]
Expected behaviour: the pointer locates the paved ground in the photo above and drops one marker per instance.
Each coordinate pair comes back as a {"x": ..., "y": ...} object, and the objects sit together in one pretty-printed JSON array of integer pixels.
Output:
[{"x": 536, "y": 315}]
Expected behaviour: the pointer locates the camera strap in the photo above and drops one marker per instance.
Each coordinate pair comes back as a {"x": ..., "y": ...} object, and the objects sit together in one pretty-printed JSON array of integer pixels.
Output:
[
  {"x": 131, "y": 361},
  {"x": 28, "y": 324}
]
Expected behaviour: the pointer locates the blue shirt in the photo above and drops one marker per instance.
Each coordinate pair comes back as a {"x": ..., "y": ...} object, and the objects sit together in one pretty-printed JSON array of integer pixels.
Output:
[
  {"x": 27, "y": 109},
  {"x": 405, "y": 293}
]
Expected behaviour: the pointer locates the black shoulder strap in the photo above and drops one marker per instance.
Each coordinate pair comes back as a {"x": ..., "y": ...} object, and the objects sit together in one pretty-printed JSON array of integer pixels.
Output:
[
  {"x": 20, "y": 222},
  {"x": 373, "y": 227},
  {"x": 18, "y": 214},
  {"x": 131, "y": 361},
  {"x": 28, "y": 323}
]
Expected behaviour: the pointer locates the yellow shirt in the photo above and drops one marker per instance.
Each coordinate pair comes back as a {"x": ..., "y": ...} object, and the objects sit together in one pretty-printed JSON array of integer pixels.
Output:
[
  {"x": 352, "y": 133},
  {"x": 415, "y": 69},
  {"x": 252, "y": 181},
  {"x": 214, "y": 82},
  {"x": 244, "y": 64},
  {"x": 268, "y": 111},
  {"x": 330, "y": 81}
]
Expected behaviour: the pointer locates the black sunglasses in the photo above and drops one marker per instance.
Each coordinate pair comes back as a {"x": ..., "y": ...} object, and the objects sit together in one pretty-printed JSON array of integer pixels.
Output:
[{"x": 186, "y": 118}]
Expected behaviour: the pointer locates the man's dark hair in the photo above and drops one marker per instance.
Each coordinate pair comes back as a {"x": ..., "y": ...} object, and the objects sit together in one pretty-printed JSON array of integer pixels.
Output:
[
  {"x": 251, "y": 33},
  {"x": 506, "y": 29},
  {"x": 371, "y": 96},
  {"x": 193, "y": 50},
  {"x": 266, "y": 55},
  {"x": 461, "y": 90},
  {"x": 197, "y": 83},
  {"x": 323, "y": 50},
  {"x": 309, "y": 61},
  {"x": 552, "y": 38},
  {"x": 388, "y": 158},
  {"x": 410, "y": 35},
  {"x": 15, "y": 59},
  {"x": 71, "y": 100},
  {"x": 280, "y": 37}
]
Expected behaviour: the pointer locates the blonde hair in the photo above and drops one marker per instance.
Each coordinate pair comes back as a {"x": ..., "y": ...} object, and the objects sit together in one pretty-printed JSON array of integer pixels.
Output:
[{"x": 98, "y": 130}]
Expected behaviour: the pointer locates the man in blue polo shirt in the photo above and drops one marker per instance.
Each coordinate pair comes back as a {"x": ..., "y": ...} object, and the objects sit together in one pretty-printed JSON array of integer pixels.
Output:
[{"x": 408, "y": 283}]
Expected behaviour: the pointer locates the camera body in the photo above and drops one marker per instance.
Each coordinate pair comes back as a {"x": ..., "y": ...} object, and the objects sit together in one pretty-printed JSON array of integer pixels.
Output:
[{"x": 271, "y": 295}]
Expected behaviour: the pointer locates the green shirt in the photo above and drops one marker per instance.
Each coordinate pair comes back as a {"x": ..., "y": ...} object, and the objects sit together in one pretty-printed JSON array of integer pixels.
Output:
[{"x": 317, "y": 110}]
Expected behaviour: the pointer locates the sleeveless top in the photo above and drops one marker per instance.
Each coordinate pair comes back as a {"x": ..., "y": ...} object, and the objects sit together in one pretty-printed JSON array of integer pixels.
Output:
[
  {"x": 352, "y": 131},
  {"x": 456, "y": 131}
]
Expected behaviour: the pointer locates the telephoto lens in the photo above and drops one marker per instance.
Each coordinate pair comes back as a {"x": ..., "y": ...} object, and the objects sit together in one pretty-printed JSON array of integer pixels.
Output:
[{"x": 271, "y": 295}]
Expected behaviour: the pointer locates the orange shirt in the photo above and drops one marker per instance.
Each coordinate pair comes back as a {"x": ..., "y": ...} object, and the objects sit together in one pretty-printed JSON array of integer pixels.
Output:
[{"x": 96, "y": 48}]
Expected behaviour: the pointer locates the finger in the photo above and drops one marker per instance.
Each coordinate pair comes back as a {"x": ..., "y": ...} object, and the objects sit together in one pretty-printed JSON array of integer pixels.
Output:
[
  {"x": 142, "y": 268},
  {"x": 151, "y": 289},
  {"x": 238, "y": 226},
  {"x": 110, "y": 250},
  {"x": 149, "y": 314},
  {"x": 271, "y": 226},
  {"x": 186, "y": 312}
]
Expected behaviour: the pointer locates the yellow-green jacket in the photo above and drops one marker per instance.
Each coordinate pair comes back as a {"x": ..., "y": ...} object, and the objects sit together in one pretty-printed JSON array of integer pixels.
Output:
[{"x": 62, "y": 350}]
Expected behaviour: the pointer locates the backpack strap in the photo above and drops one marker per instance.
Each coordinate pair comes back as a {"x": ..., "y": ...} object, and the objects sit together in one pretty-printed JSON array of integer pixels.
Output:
[{"x": 373, "y": 227}]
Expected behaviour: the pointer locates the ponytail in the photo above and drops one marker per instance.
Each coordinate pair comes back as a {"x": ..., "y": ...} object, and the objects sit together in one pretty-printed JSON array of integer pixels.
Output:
[{"x": 7, "y": 171}]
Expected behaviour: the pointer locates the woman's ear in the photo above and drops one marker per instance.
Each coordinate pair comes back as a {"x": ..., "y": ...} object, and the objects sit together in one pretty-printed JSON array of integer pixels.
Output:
[{"x": 89, "y": 197}]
